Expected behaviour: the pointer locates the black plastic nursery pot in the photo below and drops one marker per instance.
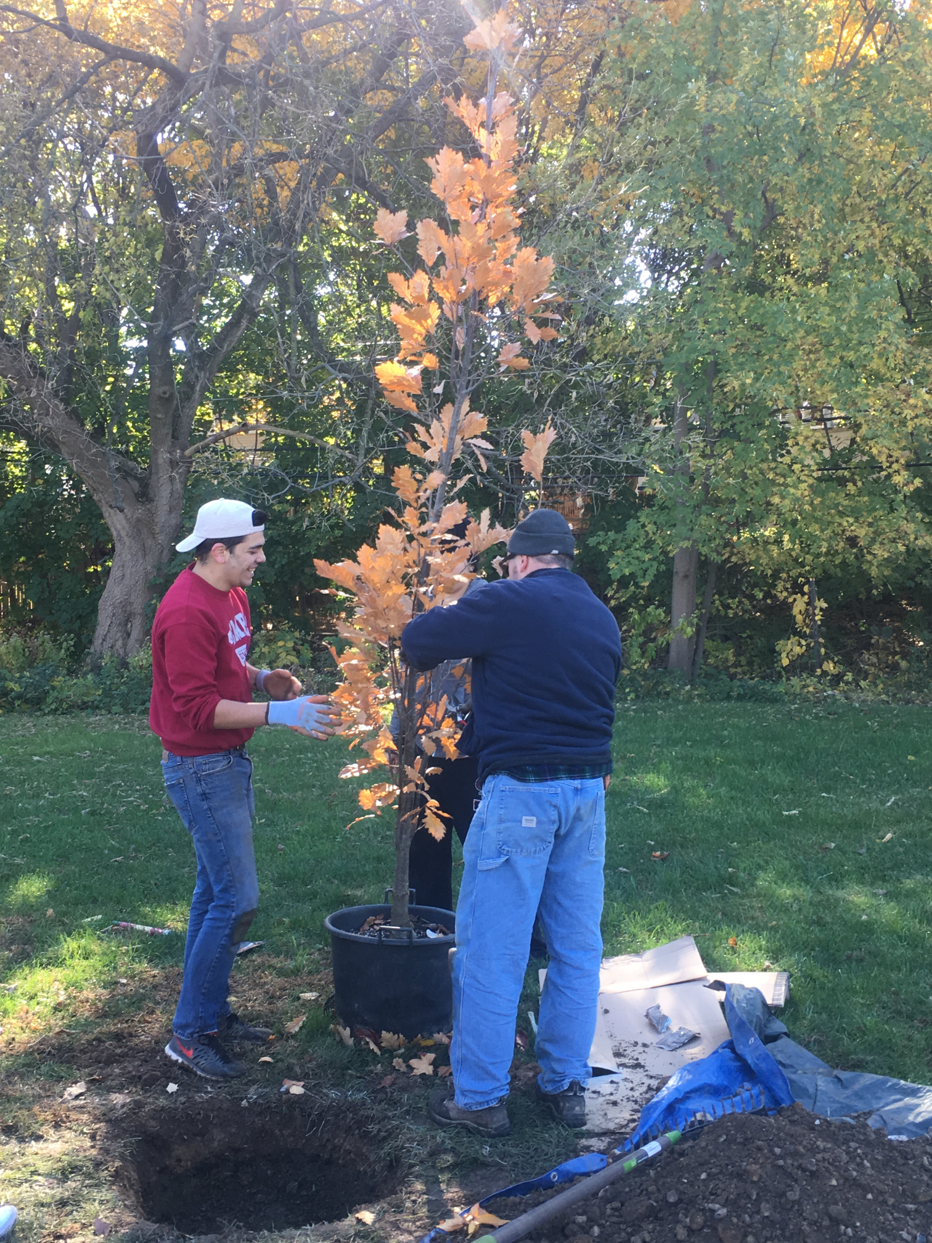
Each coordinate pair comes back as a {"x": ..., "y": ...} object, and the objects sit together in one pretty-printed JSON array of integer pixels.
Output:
[{"x": 395, "y": 982}]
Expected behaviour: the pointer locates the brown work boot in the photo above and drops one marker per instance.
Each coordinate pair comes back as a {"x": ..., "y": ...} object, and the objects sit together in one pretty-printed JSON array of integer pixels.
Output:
[
  {"x": 568, "y": 1106},
  {"x": 492, "y": 1121}
]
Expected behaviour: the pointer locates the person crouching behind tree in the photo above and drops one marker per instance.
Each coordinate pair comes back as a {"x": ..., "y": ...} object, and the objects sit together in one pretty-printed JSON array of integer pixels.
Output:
[{"x": 202, "y": 710}]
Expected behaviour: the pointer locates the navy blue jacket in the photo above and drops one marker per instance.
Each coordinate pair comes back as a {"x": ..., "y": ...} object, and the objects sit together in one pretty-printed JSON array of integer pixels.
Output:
[{"x": 546, "y": 655}]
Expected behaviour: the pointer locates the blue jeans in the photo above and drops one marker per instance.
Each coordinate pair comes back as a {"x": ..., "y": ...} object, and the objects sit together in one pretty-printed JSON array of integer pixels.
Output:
[
  {"x": 213, "y": 796},
  {"x": 529, "y": 845}
]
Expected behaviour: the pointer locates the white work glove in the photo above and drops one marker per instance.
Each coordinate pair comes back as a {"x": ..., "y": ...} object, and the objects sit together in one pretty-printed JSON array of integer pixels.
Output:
[{"x": 316, "y": 718}]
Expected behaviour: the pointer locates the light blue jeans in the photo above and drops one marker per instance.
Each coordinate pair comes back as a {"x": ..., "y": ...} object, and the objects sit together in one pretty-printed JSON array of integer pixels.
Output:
[
  {"x": 529, "y": 845},
  {"x": 213, "y": 796}
]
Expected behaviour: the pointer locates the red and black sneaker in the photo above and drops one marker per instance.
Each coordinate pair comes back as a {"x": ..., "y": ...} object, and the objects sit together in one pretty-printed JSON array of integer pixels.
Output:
[
  {"x": 206, "y": 1056},
  {"x": 231, "y": 1027}
]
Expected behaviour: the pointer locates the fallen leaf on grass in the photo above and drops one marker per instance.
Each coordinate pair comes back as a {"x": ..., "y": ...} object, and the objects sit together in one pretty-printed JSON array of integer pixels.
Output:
[
  {"x": 422, "y": 1065},
  {"x": 265, "y": 1059},
  {"x": 628, "y": 870},
  {"x": 733, "y": 942},
  {"x": 100, "y": 1226},
  {"x": 387, "y": 1081},
  {"x": 891, "y": 801},
  {"x": 342, "y": 1033},
  {"x": 732, "y": 889},
  {"x": 888, "y": 838},
  {"x": 76, "y": 1090},
  {"x": 827, "y": 846},
  {"x": 308, "y": 996},
  {"x": 660, "y": 855},
  {"x": 881, "y": 893},
  {"x": 391, "y": 1040},
  {"x": 794, "y": 812},
  {"x": 365, "y": 1217},
  {"x": 398, "y": 1063},
  {"x": 171, "y": 1087},
  {"x": 373, "y": 1046},
  {"x": 444, "y": 1072},
  {"x": 296, "y": 1090},
  {"x": 451, "y": 1224},
  {"x": 295, "y": 1025},
  {"x": 442, "y": 1037},
  {"x": 862, "y": 850},
  {"x": 50, "y": 914}
]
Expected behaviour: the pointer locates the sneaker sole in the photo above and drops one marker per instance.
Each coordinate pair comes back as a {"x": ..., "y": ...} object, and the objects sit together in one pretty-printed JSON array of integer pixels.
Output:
[{"x": 190, "y": 1066}]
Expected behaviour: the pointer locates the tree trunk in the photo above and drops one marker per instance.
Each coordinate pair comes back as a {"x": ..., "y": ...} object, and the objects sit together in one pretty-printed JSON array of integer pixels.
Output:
[
  {"x": 814, "y": 625},
  {"x": 708, "y": 596},
  {"x": 686, "y": 556},
  {"x": 143, "y": 538},
  {"x": 683, "y": 607}
]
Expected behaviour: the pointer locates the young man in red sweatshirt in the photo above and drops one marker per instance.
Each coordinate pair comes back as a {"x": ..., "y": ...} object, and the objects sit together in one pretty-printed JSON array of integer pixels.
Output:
[{"x": 202, "y": 709}]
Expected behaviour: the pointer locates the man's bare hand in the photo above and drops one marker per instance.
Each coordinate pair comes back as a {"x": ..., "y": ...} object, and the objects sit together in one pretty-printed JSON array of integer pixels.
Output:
[
  {"x": 280, "y": 684},
  {"x": 606, "y": 782}
]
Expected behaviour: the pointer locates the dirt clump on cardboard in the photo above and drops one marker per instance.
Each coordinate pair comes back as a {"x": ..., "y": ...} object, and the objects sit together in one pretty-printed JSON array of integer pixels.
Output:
[{"x": 753, "y": 1179}]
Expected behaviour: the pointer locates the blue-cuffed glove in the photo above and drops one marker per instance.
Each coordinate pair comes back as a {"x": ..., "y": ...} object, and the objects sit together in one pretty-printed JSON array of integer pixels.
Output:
[{"x": 301, "y": 713}]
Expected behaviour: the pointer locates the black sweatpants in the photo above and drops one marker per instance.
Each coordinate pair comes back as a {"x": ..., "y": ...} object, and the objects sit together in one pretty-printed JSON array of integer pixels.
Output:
[{"x": 430, "y": 861}]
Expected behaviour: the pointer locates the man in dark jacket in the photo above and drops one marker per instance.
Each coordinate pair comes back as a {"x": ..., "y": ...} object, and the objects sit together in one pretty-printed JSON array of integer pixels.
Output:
[{"x": 546, "y": 655}]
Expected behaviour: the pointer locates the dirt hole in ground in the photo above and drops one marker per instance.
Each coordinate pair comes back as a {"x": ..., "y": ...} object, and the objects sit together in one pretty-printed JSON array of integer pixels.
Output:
[{"x": 274, "y": 1167}]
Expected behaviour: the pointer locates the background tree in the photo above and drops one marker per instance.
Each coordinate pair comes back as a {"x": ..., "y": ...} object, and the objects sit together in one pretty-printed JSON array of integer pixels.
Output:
[
  {"x": 162, "y": 183},
  {"x": 767, "y": 179}
]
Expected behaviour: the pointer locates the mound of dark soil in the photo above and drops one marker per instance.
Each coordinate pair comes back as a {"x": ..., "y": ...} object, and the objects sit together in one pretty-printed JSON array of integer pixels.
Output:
[{"x": 792, "y": 1178}]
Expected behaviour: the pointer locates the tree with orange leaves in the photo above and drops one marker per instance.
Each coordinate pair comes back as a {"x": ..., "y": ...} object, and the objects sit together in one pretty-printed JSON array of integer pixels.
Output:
[{"x": 475, "y": 290}]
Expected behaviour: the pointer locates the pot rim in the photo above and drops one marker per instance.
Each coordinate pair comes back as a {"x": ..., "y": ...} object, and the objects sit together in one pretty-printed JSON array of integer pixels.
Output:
[{"x": 375, "y": 908}]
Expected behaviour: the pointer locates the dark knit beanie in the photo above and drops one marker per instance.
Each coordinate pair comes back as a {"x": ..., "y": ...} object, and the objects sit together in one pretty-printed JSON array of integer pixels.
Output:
[{"x": 542, "y": 532}]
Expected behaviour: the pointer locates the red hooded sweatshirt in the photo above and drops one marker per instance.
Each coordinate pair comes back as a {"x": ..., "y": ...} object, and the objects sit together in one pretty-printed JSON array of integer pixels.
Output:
[{"x": 200, "y": 640}]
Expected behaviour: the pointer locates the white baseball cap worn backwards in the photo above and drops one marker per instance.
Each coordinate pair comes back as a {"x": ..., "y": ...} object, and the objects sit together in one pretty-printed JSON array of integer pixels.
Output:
[{"x": 223, "y": 519}]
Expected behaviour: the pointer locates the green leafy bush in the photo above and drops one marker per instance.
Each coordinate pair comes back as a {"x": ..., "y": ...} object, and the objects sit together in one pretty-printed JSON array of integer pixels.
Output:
[{"x": 39, "y": 672}]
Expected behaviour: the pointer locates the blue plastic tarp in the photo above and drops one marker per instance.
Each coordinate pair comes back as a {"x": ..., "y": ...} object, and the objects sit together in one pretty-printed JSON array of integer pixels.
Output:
[{"x": 761, "y": 1068}]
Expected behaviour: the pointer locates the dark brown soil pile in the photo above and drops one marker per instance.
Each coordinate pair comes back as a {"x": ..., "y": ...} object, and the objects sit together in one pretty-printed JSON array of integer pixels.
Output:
[{"x": 792, "y": 1178}]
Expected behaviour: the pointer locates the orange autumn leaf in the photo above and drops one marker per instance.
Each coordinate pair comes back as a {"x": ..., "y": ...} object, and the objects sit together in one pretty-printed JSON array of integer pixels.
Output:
[
  {"x": 394, "y": 377},
  {"x": 535, "y": 451},
  {"x": 449, "y": 172},
  {"x": 415, "y": 290},
  {"x": 391, "y": 227},
  {"x": 434, "y": 825},
  {"x": 431, "y": 240},
  {"x": 510, "y": 356},
  {"x": 494, "y": 32}
]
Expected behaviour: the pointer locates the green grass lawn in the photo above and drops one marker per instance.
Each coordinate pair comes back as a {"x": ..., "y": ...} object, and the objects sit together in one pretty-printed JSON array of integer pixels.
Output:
[{"x": 797, "y": 835}]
